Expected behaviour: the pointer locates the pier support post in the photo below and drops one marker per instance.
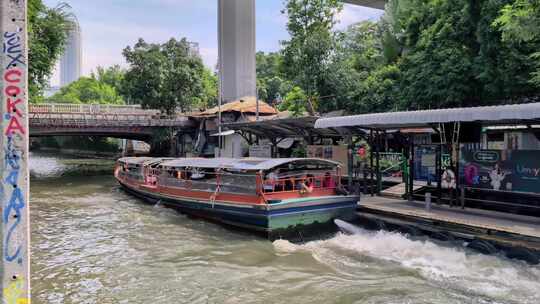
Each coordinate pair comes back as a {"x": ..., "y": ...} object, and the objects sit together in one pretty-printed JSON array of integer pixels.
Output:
[
  {"x": 350, "y": 160},
  {"x": 371, "y": 162},
  {"x": 411, "y": 168},
  {"x": 15, "y": 268},
  {"x": 378, "y": 161},
  {"x": 438, "y": 172}
]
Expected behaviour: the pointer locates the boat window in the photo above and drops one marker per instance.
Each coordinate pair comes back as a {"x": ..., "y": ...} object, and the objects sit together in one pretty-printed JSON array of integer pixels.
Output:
[{"x": 239, "y": 182}]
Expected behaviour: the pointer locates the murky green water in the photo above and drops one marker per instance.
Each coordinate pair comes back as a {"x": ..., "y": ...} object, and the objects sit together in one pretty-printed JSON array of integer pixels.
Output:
[{"x": 92, "y": 243}]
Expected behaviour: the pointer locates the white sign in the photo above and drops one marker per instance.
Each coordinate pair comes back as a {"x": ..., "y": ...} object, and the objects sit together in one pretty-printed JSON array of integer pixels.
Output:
[{"x": 262, "y": 151}]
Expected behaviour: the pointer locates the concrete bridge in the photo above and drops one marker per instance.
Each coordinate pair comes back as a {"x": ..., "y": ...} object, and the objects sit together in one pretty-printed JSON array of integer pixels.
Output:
[{"x": 128, "y": 122}]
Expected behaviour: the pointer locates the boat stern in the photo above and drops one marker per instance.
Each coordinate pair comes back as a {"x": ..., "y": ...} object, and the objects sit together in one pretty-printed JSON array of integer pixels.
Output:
[{"x": 299, "y": 216}]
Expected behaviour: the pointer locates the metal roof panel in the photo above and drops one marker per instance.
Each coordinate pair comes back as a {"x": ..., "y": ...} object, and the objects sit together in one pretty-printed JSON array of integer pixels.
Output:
[{"x": 424, "y": 118}]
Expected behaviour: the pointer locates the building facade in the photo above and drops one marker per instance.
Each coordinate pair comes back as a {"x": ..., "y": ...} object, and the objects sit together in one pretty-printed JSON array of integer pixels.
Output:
[{"x": 71, "y": 61}]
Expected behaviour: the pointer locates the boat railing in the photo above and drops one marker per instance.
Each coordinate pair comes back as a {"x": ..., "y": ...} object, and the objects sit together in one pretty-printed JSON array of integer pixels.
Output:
[{"x": 300, "y": 183}]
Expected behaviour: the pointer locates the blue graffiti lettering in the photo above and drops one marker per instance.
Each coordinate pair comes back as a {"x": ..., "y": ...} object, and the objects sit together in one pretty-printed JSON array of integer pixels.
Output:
[
  {"x": 16, "y": 203},
  {"x": 12, "y": 47}
]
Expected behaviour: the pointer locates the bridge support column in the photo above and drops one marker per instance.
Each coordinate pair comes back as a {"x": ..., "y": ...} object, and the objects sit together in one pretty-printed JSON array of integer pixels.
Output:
[
  {"x": 236, "y": 28},
  {"x": 15, "y": 229}
]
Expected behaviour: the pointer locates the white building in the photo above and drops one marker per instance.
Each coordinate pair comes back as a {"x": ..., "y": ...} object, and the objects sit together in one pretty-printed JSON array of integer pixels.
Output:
[{"x": 71, "y": 61}]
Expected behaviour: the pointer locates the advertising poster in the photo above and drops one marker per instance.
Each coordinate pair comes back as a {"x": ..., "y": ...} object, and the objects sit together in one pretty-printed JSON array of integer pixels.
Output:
[
  {"x": 506, "y": 170},
  {"x": 425, "y": 163},
  {"x": 526, "y": 174}
]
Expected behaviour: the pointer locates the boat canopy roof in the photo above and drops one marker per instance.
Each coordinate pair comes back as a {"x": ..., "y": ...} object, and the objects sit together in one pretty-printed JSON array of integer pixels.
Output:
[
  {"x": 246, "y": 164},
  {"x": 141, "y": 160}
]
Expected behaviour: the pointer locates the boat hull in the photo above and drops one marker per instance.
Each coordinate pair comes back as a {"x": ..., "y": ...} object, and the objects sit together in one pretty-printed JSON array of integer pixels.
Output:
[{"x": 298, "y": 218}]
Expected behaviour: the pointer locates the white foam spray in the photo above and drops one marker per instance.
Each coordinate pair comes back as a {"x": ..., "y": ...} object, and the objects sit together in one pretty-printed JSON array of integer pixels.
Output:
[{"x": 451, "y": 267}]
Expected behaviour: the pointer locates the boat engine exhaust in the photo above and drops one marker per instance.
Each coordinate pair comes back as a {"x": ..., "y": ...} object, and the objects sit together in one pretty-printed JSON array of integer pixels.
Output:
[{"x": 346, "y": 227}]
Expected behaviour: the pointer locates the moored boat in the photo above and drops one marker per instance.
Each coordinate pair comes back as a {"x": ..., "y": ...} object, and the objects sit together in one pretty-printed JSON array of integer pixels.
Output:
[{"x": 277, "y": 197}]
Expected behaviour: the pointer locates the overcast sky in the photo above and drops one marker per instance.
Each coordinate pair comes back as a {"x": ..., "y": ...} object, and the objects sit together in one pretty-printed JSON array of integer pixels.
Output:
[{"x": 108, "y": 26}]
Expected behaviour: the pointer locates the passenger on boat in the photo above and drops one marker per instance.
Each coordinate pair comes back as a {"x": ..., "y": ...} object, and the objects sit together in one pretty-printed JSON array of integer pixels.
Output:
[
  {"x": 270, "y": 181},
  {"x": 307, "y": 185},
  {"x": 328, "y": 181},
  {"x": 197, "y": 174}
]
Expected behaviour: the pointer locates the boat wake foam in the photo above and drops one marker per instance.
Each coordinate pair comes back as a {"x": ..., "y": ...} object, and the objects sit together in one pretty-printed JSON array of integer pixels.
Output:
[{"x": 451, "y": 268}]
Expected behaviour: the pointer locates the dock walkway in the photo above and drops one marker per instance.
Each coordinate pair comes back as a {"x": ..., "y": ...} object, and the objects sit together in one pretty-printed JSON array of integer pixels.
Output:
[
  {"x": 484, "y": 219},
  {"x": 501, "y": 230}
]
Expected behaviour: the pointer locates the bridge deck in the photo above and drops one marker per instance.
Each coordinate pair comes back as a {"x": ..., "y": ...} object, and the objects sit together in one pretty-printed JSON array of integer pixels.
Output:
[{"x": 103, "y": 120}]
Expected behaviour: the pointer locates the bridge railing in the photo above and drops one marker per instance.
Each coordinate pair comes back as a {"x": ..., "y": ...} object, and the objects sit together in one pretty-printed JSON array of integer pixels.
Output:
[
  {"x": 89, "y": 109},
  {"x": 86, "y": 120}
]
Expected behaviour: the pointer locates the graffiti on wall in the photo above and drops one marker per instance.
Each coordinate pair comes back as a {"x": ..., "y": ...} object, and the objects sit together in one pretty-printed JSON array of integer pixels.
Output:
[{"x": 14, "y": 140}]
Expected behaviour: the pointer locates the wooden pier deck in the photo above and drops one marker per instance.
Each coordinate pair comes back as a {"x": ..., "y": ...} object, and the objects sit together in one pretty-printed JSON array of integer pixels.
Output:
[{"x": 505, "y": 231}]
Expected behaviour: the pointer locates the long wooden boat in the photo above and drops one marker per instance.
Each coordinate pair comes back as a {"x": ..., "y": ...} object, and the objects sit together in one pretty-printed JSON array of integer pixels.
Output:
[{"x": 273, "y": 196}]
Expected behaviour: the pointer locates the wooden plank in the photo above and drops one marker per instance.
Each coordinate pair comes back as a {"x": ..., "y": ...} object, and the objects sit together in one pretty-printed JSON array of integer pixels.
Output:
[{"x": 14, "y": 152}]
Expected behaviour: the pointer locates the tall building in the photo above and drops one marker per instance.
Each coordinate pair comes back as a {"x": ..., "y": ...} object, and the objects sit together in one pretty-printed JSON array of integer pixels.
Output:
[{"x": 71, "y": 61}]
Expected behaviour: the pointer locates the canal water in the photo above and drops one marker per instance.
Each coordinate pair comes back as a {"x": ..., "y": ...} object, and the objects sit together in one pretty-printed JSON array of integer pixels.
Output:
[{"x": 92, "y": 243}]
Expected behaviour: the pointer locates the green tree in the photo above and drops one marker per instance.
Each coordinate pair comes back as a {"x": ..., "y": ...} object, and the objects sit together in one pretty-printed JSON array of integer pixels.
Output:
[
  {"x": 520, "y": 23},
  {"x": 209, "y": 96},
  {"x": 306, "y": 56},
  {"x": 47, "y": 34},
  {"x": 163, "y": 76},
  {"x": 454, "y": 57},
  {"x": 112, "y": 76},
  {"x": 363, "y": 78},
  {"x": 87, "y": 90},
  {"x": 271, "y": 81},
  {"x": 295, "y": 102},
  {"x": 269, "y": 64}
]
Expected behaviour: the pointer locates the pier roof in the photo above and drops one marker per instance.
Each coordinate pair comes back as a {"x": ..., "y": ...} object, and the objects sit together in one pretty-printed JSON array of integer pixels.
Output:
[
  {"x": 284, "y": 127},
  {"x": 528, "y": 113}
]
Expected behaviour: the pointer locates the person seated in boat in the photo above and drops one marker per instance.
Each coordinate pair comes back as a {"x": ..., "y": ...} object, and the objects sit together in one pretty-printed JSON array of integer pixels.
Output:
[
  {"x": 197, "y": 174},
  {"x": 328, "y": 181},
  {"x": 269, "y": 184},
  {"x": 306, "y": 186}
]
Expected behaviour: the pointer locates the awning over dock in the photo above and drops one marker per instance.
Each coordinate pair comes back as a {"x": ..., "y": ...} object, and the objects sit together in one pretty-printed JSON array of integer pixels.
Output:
[
  {"x": 285, "y": 128},
  {"x": 488, "y": 115}
]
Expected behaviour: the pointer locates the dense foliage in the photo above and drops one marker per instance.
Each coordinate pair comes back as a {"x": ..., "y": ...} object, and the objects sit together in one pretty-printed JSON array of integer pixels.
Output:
[
  {"x": 47, "y": 33},
  {"x": 420, "y": 54},
  {"x": 520, "y": 23},
  {"x": 87, "y": 90},
  {"x": 112, "y": 76},
  {"x": 295, "y": 102},
  {"x": 163, "y": 76},
  {"x": 307, "y": 54},
  {"x": 209, "y": 96},
  {"x": 272, "y": 84}
]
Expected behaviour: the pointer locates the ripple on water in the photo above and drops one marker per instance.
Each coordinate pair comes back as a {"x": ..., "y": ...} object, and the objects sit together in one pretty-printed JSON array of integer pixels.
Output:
[{"x": 44, "y": 166}]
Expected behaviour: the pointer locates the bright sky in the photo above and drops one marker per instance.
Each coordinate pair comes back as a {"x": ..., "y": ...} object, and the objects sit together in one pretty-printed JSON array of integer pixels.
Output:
[{"x": 108, "y": 26}]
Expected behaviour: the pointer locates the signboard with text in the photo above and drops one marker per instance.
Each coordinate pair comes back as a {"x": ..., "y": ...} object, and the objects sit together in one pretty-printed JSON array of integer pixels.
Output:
[{"x": 507, "y": 170}]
